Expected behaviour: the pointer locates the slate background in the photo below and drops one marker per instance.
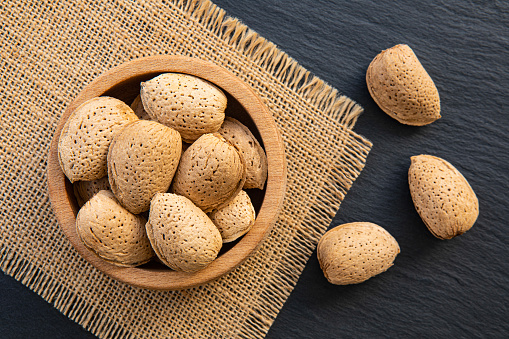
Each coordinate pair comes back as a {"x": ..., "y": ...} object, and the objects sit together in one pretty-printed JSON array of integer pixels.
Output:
[{"x": 457, "y": 288}]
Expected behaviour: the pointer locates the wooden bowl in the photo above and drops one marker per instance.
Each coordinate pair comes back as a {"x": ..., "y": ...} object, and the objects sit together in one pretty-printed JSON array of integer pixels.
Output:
[{"x": 123, "y": 82}]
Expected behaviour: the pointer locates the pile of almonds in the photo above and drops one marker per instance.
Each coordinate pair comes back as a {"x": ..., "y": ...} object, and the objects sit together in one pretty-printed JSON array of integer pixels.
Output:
[
  {"x": 165, "y": 177},
  {"x": 354, "y": 252}
]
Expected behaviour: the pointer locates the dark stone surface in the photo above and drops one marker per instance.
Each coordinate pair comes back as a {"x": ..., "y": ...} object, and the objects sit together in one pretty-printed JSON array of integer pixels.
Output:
[{"x": 455, "y": 289}]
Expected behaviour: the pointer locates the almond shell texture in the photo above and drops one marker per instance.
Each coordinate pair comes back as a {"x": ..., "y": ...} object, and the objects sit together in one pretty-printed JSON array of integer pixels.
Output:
[
  {"x": 211, "y": 172},
  {"x": 354, "y": 252},
  {"x": 236, "y": 218},
  {"x": 402, "y": 88},
  {"x": 190, "y": 105},
  {"x": 87, "y": 134},
  {"x": 112, "y": 232},
  {"x": 139, "y": 110},
  {"x": 182, "y": 235},
  {"x": 442, "y": 196},
  {"x": 254, "y": 155},
  {"x": 84, "y": 190},
  {"x": 142, "y": 161}
]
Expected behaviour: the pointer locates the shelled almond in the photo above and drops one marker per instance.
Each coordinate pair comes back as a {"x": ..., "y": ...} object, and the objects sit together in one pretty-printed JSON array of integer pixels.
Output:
[
  {"x": 442, "y": 196},
  {"x": 182, "y": 235},
  {"x": 190, "y": 105},
  {"x": 402, "y": 88},
  {"x": 211, "y": 172},
  {"x": 85, "y": 139},
  {"x": 236, "y": 218},
  {"x": 355, "y": 252},
  {"x": 142, "y": 160},
  {"x": 112, "y": 232},
  {"x": 256, "y": 160},
  {"x": 85, "y": 190}
]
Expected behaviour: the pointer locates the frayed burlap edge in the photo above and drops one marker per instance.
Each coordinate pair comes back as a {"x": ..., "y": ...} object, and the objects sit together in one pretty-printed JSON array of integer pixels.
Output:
[
  {"x": 67, "y": 302},
  {"x": 275, "y": 293},
  {"x": 267, "y": 55},
  {"x": 343, "y": 173}
]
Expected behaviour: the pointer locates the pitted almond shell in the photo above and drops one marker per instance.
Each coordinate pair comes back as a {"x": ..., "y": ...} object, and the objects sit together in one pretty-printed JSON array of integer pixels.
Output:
[
  {"x": 86, "y": 136},
  {"x": 211, "y": 172},
  {"x": 137, "y": 107},
  {"x": 190, "y": 105},
  {"x": 402, "y": 88},
  {"x": 112, "y": 232},
  {"x": 182, "y": 235},
  {"x": 84, "y": 190},
  {"x": 354, "y": 252},
  {"x": 236, "y": 218},
  {"x": 142, "y": 160},
  {"x": 442, "y": 196},
  {"x": 254, "y": 155}
]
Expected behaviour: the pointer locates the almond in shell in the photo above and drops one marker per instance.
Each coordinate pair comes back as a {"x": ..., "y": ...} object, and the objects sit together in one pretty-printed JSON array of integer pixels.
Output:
[
  {"x": 442, "y": 196},
  {"x": 139, "y": 110},
  {"x": 87, "y": 134},
  {"x": 402, "y": 88},
  {"x": 142, "y": 160},
  {"x": 354, "y": 252},
  {"x": 112, "y": 232},
  {"x": 211, "y": 172},
  {"x": 182, "y": 235},
  {"x": 236, "y": 218},
  {"x": 190, "y": 105},
  {"x": 254, "y": 155},
  {"x": 84, "y": 190}
]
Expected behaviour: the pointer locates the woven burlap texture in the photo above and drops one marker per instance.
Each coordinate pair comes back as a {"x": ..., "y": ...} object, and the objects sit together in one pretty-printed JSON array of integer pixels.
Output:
[{"x": 51, "y": 50}]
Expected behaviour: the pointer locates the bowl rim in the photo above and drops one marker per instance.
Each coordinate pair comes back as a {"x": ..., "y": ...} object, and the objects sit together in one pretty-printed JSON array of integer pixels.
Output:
[{"x": 275, "y": 185}]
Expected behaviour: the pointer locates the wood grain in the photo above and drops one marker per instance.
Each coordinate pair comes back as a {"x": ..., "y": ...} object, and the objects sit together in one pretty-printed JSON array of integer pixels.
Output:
[{"x": 123, "y": 82}]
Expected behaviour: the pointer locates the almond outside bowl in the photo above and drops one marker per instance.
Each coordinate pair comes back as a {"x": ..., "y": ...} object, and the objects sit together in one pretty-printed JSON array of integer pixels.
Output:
[{"x": 123, "y": 82}]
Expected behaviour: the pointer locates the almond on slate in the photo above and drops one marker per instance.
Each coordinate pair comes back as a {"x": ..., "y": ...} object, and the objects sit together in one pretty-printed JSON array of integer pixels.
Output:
[
  {"x": 112, "y": 232},
  {"x": 254, "y": 155},
  {"x": 86, "y": 136},
  {"x": 190, "y": 105},
  {"x": 137, "y": 107},
  {"x": 236, "y": 218},
  {"x": 84, "y": 190},
  {"x": 211, "y": 172},
  {"x": 354, "y": 252},
  {"x": 402, "y": 88},
  {"x": 182, "y": 235},
  {"x": 142, "y": 160},
  {"x": 442, "y": 196}
]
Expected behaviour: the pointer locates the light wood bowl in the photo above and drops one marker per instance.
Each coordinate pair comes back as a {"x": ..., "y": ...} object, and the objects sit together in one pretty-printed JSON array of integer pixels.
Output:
[{"x": 123, "y": 82}]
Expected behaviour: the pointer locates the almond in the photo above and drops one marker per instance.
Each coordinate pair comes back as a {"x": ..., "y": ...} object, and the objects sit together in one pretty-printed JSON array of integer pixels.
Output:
[
  {"x": 182, "y": 235},
  {"x": 142, "y": 160},
  {"x": 254, "y": 155},
  {"x": 137, "y": 107},
  {"x": 402, "y": 88},
  {"x": 211, "y": 172},
  {"x": 112, "y": 232},
  {"x": 86, "y": 136},
  {"x": 354, "y": 252},
  {"x": 84, "y": 190},
  {"x": 190, "y": 105},
  {"x": 442, "y": 196},
  {"x": 236, "y": 218}
]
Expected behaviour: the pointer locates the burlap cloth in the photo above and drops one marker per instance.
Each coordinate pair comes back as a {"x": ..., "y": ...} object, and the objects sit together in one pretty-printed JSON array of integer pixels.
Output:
[{"x": 50, "y": 51}]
